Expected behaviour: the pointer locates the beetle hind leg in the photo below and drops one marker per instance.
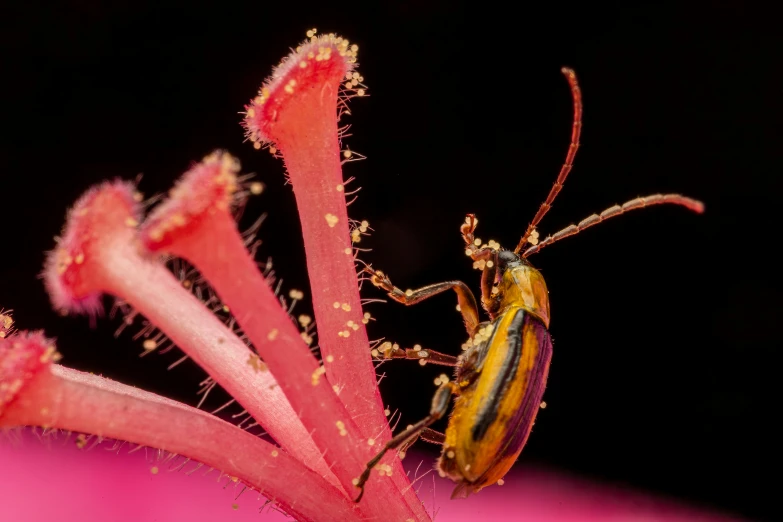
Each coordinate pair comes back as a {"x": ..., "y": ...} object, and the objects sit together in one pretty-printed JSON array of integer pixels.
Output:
[
  {"x": 462, "y": 490},
  {"x": 440, "y": 404},
  {"x": 432, "y": 436}
]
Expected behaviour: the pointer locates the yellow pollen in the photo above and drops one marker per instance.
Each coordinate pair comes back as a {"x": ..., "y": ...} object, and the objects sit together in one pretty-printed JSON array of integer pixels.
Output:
[
  {"x": 149, "y": 344},
  {"x": 272, "y": 334},
  {"x": 339, "y": 188},
  {"x": 316, "y": 376},
  {"x": 255, "y": 362},
  {"x": 331, "y": 220},
  {"x": 256, "y": 188},
  {"x": 154, "y": 470},
  {"x": 346, "y": 307},
  {"x": 336, "y": 304},
  {"x": 275, "y": 453}
]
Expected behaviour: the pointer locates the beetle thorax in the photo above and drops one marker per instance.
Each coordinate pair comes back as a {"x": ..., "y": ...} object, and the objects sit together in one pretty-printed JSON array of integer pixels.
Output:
[{"x": 523, "y": 286}]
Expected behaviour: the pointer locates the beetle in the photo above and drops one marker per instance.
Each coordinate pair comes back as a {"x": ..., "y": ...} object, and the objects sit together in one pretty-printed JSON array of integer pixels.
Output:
[{"x": 500, "y": 377}]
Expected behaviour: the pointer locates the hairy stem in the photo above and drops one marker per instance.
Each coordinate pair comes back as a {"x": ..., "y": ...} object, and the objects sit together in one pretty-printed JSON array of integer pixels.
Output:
[{"x": 72, "y": 400}]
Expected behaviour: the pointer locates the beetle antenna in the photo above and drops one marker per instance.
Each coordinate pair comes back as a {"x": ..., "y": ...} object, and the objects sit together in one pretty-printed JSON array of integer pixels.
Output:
[
  {"x": 655, "y": 199},
  {"x": 576, "y": 130}
]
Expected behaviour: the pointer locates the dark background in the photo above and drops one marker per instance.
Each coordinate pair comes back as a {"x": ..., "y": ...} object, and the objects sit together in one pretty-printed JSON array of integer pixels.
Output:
[{"x": 666, "y": 324}]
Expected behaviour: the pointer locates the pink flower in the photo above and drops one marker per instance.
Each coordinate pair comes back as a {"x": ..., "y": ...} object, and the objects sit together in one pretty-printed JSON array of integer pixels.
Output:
[{"x": 326, "y": 416}]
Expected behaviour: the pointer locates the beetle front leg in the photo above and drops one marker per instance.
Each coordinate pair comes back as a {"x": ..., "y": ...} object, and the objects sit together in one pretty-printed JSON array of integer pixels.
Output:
[
  {"x": 487, "y": 257},
  {"x": 467, "y": 302},
  {"x": 440, "y": 404},
  {"x": 489, "y": 275}
]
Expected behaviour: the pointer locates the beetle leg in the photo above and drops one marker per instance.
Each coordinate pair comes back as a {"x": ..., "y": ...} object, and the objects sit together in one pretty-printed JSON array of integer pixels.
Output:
[
  {"x": 489, "y": 274},
  {"x": 428, "y": 435},
  {"x": 465, "y": 298},
  {"x": 440, "y": 403},
  {"x": 432, "y": 436},
  {"x": 422, "y": 355}
]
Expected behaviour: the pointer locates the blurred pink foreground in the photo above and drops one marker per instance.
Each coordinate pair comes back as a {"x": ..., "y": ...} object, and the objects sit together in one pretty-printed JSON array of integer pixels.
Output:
[{"x": 54, "y": 481}]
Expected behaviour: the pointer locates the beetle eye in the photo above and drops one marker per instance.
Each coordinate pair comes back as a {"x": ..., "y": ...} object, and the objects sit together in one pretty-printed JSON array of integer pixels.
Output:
[{"x": 506, "y": 257}]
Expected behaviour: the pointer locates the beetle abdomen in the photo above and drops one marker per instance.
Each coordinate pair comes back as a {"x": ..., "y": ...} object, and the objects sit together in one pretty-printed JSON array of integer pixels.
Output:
[{"x": 493, "y": 417}]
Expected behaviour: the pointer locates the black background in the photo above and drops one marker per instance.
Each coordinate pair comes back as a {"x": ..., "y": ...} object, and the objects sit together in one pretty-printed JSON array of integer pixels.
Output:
[{"x": 666, "y": 324}]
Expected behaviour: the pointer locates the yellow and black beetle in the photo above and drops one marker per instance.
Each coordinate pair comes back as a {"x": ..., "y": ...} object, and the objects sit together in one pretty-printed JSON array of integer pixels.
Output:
[{"x": 499, "y": 379}]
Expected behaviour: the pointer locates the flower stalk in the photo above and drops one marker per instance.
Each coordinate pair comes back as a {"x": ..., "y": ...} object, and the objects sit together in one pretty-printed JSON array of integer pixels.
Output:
[
  {"x": 206, "y": 235},
  {"x": 296, "y": 111},
  {"x": 99, "y": 252},
  {"x": 327, "y": 416},
  {"x": 53, "y": 396}
]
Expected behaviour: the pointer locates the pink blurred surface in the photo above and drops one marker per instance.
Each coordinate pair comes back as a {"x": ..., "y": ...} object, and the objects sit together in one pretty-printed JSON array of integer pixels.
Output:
[{"x": 55, "y": 481}]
